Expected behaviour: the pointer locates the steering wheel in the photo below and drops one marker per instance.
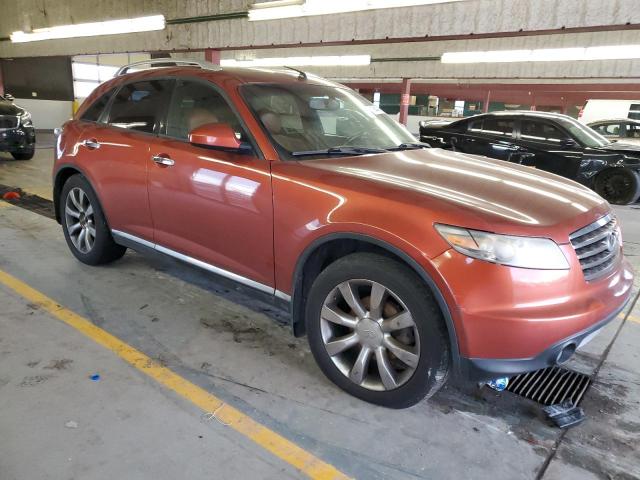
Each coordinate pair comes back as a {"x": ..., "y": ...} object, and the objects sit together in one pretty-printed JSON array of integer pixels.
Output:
[{"x": 349, "y": 141}]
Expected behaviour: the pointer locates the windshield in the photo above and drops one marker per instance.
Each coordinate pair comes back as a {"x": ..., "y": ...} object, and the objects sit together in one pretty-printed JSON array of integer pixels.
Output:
[
  {"x": 312, "y": 119},
  {"x": 587, "y": 136}
]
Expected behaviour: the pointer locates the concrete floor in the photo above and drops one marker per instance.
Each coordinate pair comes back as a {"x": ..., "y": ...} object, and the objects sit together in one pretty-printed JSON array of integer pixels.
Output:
[{"x": 130, "y": 427}]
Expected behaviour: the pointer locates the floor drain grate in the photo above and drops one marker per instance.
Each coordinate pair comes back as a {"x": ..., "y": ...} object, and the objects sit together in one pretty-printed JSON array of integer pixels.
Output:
[{"x": 550, "y": 385}]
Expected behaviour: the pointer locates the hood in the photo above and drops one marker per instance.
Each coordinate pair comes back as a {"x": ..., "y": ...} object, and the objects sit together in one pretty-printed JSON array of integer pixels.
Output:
[
  {"x": 472, "y": 191},
  {"x": 9, "y": 108},
  {"x": 622, "y": 147}
]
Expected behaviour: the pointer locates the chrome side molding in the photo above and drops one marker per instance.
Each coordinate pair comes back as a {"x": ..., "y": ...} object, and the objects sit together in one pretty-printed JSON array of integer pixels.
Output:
[{"x": 128, "y": 238}]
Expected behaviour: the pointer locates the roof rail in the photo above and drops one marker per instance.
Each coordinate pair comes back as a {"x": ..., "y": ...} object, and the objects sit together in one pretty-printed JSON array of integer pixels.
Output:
[{"x": 155, "y": 61}]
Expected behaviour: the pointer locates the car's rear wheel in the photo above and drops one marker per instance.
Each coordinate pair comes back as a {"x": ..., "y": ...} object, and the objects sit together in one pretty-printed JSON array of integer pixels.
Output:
[
  {"x": 376, "y": 331},
  {"x": 26, "y": 155},
  {"x": 618, "y": 186},
  {"x": 84, "y": 225}
]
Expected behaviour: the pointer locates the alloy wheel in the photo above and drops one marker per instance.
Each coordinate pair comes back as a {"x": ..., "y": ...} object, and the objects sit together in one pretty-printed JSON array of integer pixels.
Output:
[
  {"x": 370, "y": 335},
  {"x": 80, "y": 220}
]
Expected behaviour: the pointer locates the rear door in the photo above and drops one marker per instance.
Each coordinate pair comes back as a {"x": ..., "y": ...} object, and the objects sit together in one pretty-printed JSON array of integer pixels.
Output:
[
  {"x": 210, "y": 204},
  {"x": 117, "y": 151},
  {"x": 548, "y": 146},
  {"x": 490, "y": 136}
]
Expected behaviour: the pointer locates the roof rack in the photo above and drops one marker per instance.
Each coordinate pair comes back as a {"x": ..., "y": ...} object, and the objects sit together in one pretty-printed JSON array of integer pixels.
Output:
[{"x": 155, "y": 61}]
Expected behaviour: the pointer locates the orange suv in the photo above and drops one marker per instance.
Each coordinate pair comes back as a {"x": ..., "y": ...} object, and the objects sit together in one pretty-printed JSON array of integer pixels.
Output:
[{"x": 401, "y": 263}]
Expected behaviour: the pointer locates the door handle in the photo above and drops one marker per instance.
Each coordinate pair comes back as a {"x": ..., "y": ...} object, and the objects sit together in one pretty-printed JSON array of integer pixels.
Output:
[
  {"x": 91, "y": 144},
  {"x": 163, "y": 160}
]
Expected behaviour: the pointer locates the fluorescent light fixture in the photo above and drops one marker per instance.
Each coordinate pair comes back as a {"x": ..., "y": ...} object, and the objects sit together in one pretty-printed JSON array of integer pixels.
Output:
[
  {"x": 110, "y": 27},
  {"x": 317, "y": 61},
  {"x": 295, "y": 8},
  {"x": 609, "y": 52}
]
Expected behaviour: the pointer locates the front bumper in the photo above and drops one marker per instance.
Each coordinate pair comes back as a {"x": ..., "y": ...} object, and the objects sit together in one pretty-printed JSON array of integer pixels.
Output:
[
  {"x": 483, "y": 369},
  {"x": 513, "y": 320},
  {"x": 17, "y": 139}
]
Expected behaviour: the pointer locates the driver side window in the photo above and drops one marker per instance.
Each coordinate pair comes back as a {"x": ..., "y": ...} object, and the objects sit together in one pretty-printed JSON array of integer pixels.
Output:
[
  {"x": 534, "y": 131},
  {"x": 194, "y": 104}
]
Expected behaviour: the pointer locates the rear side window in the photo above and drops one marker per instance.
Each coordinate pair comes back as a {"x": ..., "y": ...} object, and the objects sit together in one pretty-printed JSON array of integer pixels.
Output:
[
  {"x": 92, "y": 114},
  {"x": 138, "y": 106},
  {"x": 541, "y": 132},
  {"x": 497, "y": 126},
  {"x": 634, "y": 111}
]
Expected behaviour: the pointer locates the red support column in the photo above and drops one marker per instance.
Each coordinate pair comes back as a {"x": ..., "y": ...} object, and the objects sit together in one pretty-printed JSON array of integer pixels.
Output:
[
  {"x": 405, "y": 98},
  {"x": 212, "y": 56},
  {"x": 487, "y": 100}
]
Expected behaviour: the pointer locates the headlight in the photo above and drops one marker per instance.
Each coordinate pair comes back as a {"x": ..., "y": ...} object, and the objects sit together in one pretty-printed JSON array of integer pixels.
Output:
[
  {"x": 25, "y": 119},
  {"x": 524, "y": 252}
]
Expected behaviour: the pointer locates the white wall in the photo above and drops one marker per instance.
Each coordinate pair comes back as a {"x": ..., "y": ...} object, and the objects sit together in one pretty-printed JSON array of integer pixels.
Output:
[{"x": 46, "y": 114}]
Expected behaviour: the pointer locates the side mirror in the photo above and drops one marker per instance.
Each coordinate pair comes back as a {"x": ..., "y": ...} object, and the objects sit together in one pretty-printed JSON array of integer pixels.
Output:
[
  {"x": 568, "y": 143},
  {"x": 217, "y": 135}
]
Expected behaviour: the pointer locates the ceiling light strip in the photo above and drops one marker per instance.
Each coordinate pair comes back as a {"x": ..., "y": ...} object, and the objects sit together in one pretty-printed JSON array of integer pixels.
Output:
[
  {"x": 314, "y": 61},
  {"x": 109, "y": 27},
  {"x": 279, "y": 9},
  {"x": 609, "y": 52}
]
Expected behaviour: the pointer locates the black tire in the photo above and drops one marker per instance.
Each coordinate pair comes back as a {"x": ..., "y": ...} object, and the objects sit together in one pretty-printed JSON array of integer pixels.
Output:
[
  {"x": 26, "y": 155},
  {"x": 618, "y": 186},
  {"x": 103, "y": 249},
  {"x": 432, "y": 368}
]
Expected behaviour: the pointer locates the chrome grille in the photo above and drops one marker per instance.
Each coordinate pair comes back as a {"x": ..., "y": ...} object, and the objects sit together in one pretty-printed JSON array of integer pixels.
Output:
[
  {"x": 8, "y": 121},
  {"x": 597, "y": 246}
]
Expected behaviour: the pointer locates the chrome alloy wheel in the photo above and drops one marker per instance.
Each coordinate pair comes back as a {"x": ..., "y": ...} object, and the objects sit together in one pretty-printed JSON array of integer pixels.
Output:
[
  {"x": 79, "y": 217},
  {"x": 370, "y": 335}
]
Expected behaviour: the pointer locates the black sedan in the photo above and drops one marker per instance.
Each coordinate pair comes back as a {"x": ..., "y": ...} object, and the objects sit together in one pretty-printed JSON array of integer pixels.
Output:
[
  {"x": 548, "y": 141},
  {"x": 17, "y": 134}
]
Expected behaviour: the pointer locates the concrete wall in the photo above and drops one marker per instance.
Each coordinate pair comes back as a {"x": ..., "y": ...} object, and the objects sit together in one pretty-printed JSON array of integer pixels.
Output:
[
  {"x": 434, "y": 70},
  {"x": 47, "y": 114},
  {"x": 445, "y": 19}
]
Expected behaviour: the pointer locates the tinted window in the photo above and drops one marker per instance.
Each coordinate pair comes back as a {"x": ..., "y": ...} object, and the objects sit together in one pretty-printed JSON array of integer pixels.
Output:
[
  {"x": 92, "y": 114},
  {"x": 634, "y": 111},
  {"x": 137, "y": 106},
  {"x": 497, "y": 126},
  {"x": 541, "y": 132},
  {"x": 194, "y": 104}
]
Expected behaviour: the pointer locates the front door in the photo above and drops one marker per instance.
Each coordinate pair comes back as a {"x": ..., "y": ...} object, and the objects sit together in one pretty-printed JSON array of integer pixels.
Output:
[
  {"x": 212, "y": 205},
  {"x": 549, "y": 145}
]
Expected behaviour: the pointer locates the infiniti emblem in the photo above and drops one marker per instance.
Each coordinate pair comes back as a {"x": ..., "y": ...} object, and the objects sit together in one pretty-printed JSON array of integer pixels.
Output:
[
  {"x": 369, "y": 333},
  {"x": 612, "y": 240}
]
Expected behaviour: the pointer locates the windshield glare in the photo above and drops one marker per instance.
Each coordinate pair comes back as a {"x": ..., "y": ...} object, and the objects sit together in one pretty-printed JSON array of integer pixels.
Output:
[
  {"x": 302, "y": 118},
  {"x": 585, "y": 135}
]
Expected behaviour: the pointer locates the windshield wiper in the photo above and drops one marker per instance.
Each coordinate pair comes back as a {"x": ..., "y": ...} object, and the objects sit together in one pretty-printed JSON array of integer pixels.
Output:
[
  {"x": 339, "y": 151},
  {"x": 409, "y": 146}
]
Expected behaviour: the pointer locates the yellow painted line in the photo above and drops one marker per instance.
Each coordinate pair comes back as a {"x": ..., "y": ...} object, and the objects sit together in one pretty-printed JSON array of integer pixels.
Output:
[
  {"x": 633, "y": 318},
  {"x": 233, "y": 418}
]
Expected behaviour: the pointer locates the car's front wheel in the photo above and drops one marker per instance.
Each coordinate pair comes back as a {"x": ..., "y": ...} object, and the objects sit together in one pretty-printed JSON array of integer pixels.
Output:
[
  {"x": 618, "y": 186},
  {"x": 376, "y": 331},
  {"x": 84, "y": 225}
]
